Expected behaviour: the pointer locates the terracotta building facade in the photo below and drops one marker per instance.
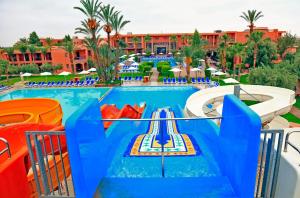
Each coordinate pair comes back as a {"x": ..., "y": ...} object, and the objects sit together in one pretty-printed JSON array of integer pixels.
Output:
[{"x": 135, "y": 43}]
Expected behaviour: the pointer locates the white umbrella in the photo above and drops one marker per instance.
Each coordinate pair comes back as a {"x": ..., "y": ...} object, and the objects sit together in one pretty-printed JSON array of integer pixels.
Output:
[
  {"x": 123, "y": 56},
  {"x": 178, "y": 53},
  {"x": 219, "y": 73},
  {"x": 84, "y": 72},
  {"x": 211, "y": 69},
  {"x": 175, "y": 70},
  {"x": 170, "y": 53},
  {"x": 92, "y": 70},
  {"x": 138, "y": 54},
  {"x": 121, "y": 64},
  {"x": 230, "y": 80},
  {"x": 195, "y": 69},
  {"x": 143, "y": 53},
  {"x": 46, "y": 74},
  {"x": 26, "y": 74},
  {"x": 130, "y": 59},
  {"x": 64, "y": 73},
  {"x": 152, "y": 53},
  {"x": 131, "y": 55},
  {"x": 160, "y": 53},
  {"x": 201, "y": 60}
]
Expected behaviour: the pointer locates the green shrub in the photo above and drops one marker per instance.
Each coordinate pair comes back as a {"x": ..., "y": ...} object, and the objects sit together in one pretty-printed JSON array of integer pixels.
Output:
[
  {"x": 147, "y": 68},
  {"x": 165, "y": 70},
  {"x": 160, "y": 64},
  {"x": 47, "y": 67},
  {"x": 13, "y": 69},
  {"x": 32, "y": 68}
]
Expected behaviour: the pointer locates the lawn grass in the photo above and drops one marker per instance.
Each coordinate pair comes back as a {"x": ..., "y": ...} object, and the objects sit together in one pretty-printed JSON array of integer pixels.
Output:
[
  {"x": 244, "y": 79},
  {"x": 297, "y": 104},
  {"x": 250, "y": 102},
  {"x": 291, "y": 118}
]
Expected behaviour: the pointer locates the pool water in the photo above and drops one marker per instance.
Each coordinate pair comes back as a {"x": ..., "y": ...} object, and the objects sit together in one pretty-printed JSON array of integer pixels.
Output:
[
  {"x": 155, "y": 97},
  {"x": 70, "y": 99}
]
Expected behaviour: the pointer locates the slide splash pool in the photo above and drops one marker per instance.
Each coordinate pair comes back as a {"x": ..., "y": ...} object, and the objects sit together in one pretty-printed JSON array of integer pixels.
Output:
[{"x": 38, "y": 110}]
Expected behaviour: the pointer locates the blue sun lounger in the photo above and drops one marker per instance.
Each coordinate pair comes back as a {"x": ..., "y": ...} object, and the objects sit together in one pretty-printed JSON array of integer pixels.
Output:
[
  {"x": 169, "y": 80},
  {"x": 184, "y": 81},
  {"x": 173, "y": 80},
  {"x": 199, "y": 80},
  {"x": 193, "y": 80}
]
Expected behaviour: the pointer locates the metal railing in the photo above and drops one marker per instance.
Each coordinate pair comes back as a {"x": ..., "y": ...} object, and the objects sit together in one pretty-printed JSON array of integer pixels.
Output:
[
  {"x": 288, "y": 143},
  {"x": 55, "y": 181},
  {"x": 7, "y": 149},
  {"x": 268, "y": 163},
  {"x": 49, "y": 163}
]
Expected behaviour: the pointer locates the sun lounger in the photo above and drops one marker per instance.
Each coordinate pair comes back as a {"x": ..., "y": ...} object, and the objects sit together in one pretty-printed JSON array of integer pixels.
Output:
[
  {"x": 173, "y": 80},
  {"x": 92, "y": 83},
  {"x": 199, "y": 80},
  {"x": 165, "y": 81},
  {"x": 193, "y": 80},
  {"x": 169, "y": 81},
  {"x": 184, "y": 81}
]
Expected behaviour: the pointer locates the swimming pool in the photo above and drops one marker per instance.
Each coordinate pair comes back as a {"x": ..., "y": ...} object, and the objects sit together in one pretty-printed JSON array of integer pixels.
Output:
[{"x": 70, "y": 99}]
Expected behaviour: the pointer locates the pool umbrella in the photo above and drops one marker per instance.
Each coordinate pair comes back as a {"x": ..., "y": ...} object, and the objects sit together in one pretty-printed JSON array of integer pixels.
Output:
[
  {"x": 84, "y": 72},
  {"x": 92, "y": 69},
  {"x": 46, "y": 74},
  {"x": 64, "y": 73},
  {"x": 219, "y": 73},
  {"x": 195, "y": 70},
  {"x": 123, "y": 56},
  {"x": 143, "y": 53},
  {"x": 231, "y": 81},
  {"x": 26, "y": 75},
  {"x": 211, "y": 69},
  {"x": 135, "y": 64},
  {"x": 176, "y": 70},
  {"x": 131, "y": 55}
]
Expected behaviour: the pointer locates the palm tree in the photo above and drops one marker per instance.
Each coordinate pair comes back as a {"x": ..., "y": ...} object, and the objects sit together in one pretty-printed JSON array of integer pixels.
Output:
[
  {"x": 147, "y": 40},
  {"x": 251, "y": 17},
  {"x": 10, "y": 52},
  {"x": 173, "y": 39},
  {"x": 255, "y": 39},
  {"x": 23, "y": 49},
  {"x": 49, "y": 42},
  {"x": 135, "y": 41},
  {"x": 90, "y": 27},
  {"x": 44, "y": 51},
  {"x": 188, "y": 59},
  {"x": 106, "y": 14},
  {"x": 183, "y": 39},
  {"x": 32, "y": 50},
  {"x": 69, "y": 47},
  {"x": 118, "y": 23},
  {"x": 223, "y": 49},
  {"x": 237, "y": 50}
]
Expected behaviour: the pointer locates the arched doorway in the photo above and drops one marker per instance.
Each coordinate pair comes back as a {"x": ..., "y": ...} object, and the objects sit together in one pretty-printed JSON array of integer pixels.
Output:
[{"x": 79, "y": 67}]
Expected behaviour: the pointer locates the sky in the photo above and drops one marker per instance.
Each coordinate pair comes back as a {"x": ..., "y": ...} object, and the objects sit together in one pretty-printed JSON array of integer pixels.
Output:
[{"x": 56, "y": 18}]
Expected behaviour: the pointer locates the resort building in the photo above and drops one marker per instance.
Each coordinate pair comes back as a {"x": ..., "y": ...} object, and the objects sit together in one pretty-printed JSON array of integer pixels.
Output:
[{"x": 135, "y": 43}]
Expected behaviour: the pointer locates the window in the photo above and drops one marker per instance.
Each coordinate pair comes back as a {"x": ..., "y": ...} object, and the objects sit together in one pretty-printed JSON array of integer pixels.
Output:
[{"x": 67, "y": 66}]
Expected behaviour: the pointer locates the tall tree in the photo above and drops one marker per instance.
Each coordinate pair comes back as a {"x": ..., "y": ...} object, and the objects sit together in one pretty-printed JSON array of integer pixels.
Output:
[
  {"x": 147, "y": 40},
  {"x": 173, "y": 39},
  {"x": 69, "y": 47},
  {"x": 49, "y": 42},
  {"x": 238, "y": 51},
  {"x": 223, "y": 50},
  {"x": 44, "y": 51},
  {"x": 23, "y": 49},
  {"x": 135, "y": 41},
  {"x": 118, "y": 23},
  {"x": 285, "y": 42},
  {"x": 32, "y": 50},
  {"x": 255, "y": 39},
  {"x": 188, "y": 59},
  {"x": 106, "y": 14},
  {"x": 90, "y": 28},
  {"x": 4, "y": 65},
  {"x": 10, "y": 52},
  {"x": 34, "y": 39},
  {"x": 251, "y": 16}
]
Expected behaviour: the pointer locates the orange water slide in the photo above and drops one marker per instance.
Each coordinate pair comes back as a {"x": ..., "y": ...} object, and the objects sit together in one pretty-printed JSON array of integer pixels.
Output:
[
  {"x": 128, "y": 111},
  {"x": 35, "y": 110},
  {"x": 16, "y": 176}
]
